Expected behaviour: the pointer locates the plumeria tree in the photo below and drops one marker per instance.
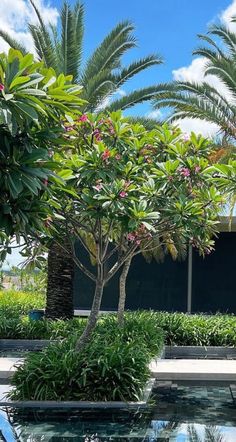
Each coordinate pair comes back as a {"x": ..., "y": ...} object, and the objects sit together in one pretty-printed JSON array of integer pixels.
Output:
[
  {"x": 33, "y": 102},
  {"x": 127, "y": 187},
  {"x": 189, "y": 182}
]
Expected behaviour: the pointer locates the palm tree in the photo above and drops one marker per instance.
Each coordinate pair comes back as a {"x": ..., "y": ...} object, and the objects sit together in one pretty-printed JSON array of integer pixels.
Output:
[
  {"x": 101, "y": 76},
  {"x": 215, "y": 104}
]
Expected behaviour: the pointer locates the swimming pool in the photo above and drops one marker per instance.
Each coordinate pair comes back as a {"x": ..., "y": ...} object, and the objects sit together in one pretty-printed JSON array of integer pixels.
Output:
[{"x": 179, "y": 413}]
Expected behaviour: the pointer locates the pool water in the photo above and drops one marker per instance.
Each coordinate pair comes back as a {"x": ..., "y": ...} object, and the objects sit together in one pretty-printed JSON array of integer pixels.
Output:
[{"x": 177, "y": 414}]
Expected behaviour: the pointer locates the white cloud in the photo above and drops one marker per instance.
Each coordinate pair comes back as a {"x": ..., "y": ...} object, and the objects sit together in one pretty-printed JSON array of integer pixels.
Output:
[
  {"x": 156, "y": 114},
  {"x": 193, "y": 72},
  {"x": 15, "y": 14},
  {"x": 227, "y": 15},
  {"x": 189, "y": 125}
]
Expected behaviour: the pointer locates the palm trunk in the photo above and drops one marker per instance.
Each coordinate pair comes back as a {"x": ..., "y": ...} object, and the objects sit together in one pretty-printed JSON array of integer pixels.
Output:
[
  {"x": 93, "y": 317},
  {"x": 122, "y": 294},
  {"x": 59, "y": 298}
]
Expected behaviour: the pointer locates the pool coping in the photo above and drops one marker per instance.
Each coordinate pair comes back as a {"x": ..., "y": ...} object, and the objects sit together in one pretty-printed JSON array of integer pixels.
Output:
[
  {"x": 194, "y": 351},
  {"x": 10, "y": 344},
  {"x": 143, "y": 403}
]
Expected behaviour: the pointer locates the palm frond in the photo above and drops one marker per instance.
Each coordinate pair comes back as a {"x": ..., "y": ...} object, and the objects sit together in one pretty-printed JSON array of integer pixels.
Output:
[
  {"x": 110, "y": 51},
  {"x": 136, "y": 67},
  {"x": 98, "y": 90},
  {"x": 68, "y": 44},
  {"x": 211, "y": 42},
  {"x": 191, "y": 100},
  {"x": 79, "y": 34},
  {"x": 213, "y": 104},
  {"x": 49, "y": 54},
  {"x": 135, "y": 97},
  {"x": 38, "y": 41},
  {"x": 148, "y": 123},
  {"x": 12, "y": 42},
  {"x": 227, "y": 37}
]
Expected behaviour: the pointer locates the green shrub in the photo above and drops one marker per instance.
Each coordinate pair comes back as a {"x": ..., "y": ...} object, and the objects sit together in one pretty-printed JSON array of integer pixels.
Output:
[
  {"x": 24, "y": 328},
  {"x": 114, "y": 366},
  {"x": 15, "y": 303},
  {"x": 202, "y": 330},
  {"x": 142, "y": 326}
]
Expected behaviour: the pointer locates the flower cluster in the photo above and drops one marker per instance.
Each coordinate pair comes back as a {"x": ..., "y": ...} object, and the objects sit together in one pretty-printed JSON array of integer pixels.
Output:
[
  {"x": 106, "y": 155},
  {"x": 139, "y": 235}
]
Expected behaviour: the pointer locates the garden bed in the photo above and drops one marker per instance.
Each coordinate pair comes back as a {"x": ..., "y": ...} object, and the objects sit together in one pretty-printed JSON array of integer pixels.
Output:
[{"x": 142, "y": 403}]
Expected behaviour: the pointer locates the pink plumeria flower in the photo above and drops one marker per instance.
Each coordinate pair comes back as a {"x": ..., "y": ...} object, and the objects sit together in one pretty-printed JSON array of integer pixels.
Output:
[
  {"x": 69, "y": 128},
  {"x": 197, "y": 169},
  {"x": 184, "y": 171},
  {"x": 127, "y": 184},
  {"x": 131, "y": 237},
  {"x": 83, "y": 118},
  {"x": 97, "y": 134},
  {"x": 186, "y": 137},
  {"x": 106, "y": 154},
  {"x": 98, "y": 187},
  {"x": 2, "y": 87},
  {"x": 123, "y": 194},
  {"x": 111, "y": 130}
]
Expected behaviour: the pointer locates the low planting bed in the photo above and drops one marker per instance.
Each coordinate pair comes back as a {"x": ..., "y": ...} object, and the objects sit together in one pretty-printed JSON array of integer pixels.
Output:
[
  {"x": 114, "y": 366},
  {"x": 202, "y": 330}
]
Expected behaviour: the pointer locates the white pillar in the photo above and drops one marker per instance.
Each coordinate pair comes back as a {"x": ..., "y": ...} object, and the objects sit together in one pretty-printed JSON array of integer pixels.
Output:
[{"x": 190, "y": 278}]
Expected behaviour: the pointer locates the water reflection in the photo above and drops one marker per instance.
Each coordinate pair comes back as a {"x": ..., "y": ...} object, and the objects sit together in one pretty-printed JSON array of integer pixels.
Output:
[
  {"x": 205, "y": 434},
  {"x": 182, "y": 414}
]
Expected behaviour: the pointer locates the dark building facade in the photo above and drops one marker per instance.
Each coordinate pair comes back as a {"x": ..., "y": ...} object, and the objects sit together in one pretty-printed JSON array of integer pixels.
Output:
[{"x": 194, "y": 285}]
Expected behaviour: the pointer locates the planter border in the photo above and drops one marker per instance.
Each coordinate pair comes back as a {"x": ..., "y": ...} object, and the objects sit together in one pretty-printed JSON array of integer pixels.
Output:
[
  {"x": 24, "y": 344},
  {"x": 143, "y": 403},
  {"x": 199, "y": 352},
  {"x": 168, "y": 352}
]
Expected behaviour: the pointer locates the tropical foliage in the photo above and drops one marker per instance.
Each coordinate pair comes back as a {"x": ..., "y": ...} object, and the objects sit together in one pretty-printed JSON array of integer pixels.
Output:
[
  {"x": 125, "y": 186},
  {"x": 199, "y": 329},
  {"x": 102, "y": 76},
  {"x": 215, "y": 104},
  {"x": 113, "y": 367},
  {"x": 14, "y": 303},
  {"x": 33, "y": 100},
  {"x": 103, "y": 73}
]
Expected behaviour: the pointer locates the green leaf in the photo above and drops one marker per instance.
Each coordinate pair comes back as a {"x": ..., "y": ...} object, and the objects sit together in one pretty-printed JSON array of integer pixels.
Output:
[
  {"x": 27, "y": 110},
  {"x": 18, "y": 80}
]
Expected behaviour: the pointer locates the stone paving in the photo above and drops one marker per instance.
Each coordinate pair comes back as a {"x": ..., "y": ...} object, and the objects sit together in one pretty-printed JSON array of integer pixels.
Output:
[
  {"x": 194, "y": 370},
  {"x": 165, "y": 369}
]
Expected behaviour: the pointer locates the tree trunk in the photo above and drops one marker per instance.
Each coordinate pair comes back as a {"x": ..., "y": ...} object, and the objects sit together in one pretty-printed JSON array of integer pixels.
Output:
[
  {"x": 93, "y": 317},
  {"x": 122, "y": 294},
  {"x": 59, "y": 303}
]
